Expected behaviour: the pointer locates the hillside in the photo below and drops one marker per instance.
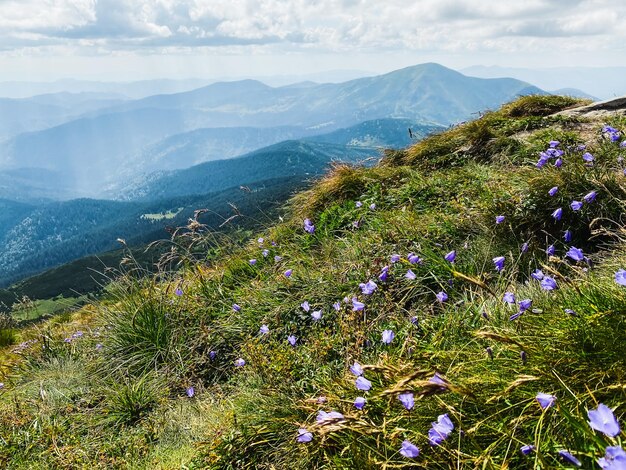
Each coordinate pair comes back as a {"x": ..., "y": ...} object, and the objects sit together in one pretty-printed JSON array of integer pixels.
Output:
[{"x": 459, "y": 304}]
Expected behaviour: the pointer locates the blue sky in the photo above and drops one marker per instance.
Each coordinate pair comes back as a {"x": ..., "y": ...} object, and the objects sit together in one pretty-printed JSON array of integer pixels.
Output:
[{"x": 120, "y": 39}]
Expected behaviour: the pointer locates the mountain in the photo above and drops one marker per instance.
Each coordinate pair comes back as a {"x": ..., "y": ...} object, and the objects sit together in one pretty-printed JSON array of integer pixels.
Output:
[{"x": 91, "y": 151}]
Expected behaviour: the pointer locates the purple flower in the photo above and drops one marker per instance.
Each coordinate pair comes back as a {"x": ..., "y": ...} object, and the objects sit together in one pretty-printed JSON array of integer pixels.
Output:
[
  {"x": 545, "y": 400},
  {"x": 252, "y": 262},
  {"x": 565, "y": 455},
  {"x": 557, "y": 214},
  {"x": 442, "y": 296},
  {"x": 515, "y": 316},
  {"x": 409, "y": 450},
  {"x": 236, "y": 307},
  {"x": 265, "y": 253},
  {"x": 527, "y": 449},
  {"x": 356, "y": 369},
  {"x": 525, "y": 304},
  {"x": 292, "y": 340},
  {"x": 212, "y": 355},
  {"x": 567, "y": 236},
  {"x": 362, "y": 383},
  {"x": 368, "y": 288},
  {"x": 324, "y": 417},
  {"x": 316, "y": 315},
  {"x": 602, "y": 419},
  {"x": 509, "y": 298},
  {"x": 614, "y": 459},
  {"x": 288, "y": 273},
  {"x": 372, "y": 207},
  {"x": 523, "y": 356},
  {"x": 308, "y": 226},
  {"x": 570, "y": 312},
  {"x": 388, "y": 336},
  {"x": 356, "y": 305},
  {"x": 620, "y": 277},
  {"x": 554, "y": 143},
  {"x": 547, "y": 283},
  {"x": 305, "y": 306},
  {"x": 407, "y": 399},
  {"x": 304, "y": 436},
  {"x": 499, "y": 263},
  {"x": 240, "y": 362},
  {"x": 537, "y": 274},
  {"x": 576, "y": 205},
  {"x": 550, "y": 250},
  {"x": 260, "y": 241},
  {"x": 575, "y": 253},
  {"x": 524, "y": 247},
  {"x": 384, "y": 274},
  {"x": 98, "y": 348},
  {"x": 588, "y": 157},
  {"x": 264, "y": 330},
  {"x": 395, "y": 258},
  {"x": 553, "y": 190},
  {"x": 359, "y": 403},
  {"x": 358, "y": 204},
  {"x": 178, "y": 291},
  {"x": 414, "y": 259},
  {"x": 450, "y": 257},
  {"x": 337, "y": 306},
  {"x": 437, "y": 379},
  {"x": 278, "y": 258},
  {"x": 558, "y": 163},
  {"x": 440, "y": 430},
  {"x": 410, "y": 275},
  {"x": 499, "y": 219},
  {"x": 590, "y": 197},
  {"x": 191, "y": 392}
]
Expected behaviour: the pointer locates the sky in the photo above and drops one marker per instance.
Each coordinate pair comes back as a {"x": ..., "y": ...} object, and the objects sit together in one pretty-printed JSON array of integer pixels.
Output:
[{"x": 44, "y": 40}]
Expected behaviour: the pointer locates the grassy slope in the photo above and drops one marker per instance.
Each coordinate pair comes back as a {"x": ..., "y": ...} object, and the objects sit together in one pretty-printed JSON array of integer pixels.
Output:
[{"x": 125, "y": 405}]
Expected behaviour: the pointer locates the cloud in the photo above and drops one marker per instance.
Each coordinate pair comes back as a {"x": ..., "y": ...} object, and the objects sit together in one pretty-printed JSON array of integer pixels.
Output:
[{"x": 148, "y": 26}]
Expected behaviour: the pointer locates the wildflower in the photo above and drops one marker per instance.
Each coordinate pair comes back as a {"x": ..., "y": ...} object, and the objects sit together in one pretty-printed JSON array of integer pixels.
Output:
[
  {"x": 305, "y": 306},
  {"x": 191, "y": 392},
  {"x": 437, "y": 379},
  {"x": 264, "y": 330},
  {"x": 260, "y": 241},
  {"x": 252, "y": 262},
  {"x": 368, "y": 288},
  {"x": 527, "y": 449},
  {"x": 499, "y": 219},
  {"x": 489, "y": 352},
  {"x": 99, "y": 347},
  {"x": 356, "y": 369},
  {"x": 278, "y": 258},
  {"x": 588, "y": 157},
  {"x": 558, "y": 163},
  {"x": 545, "y": 400},
  {"x": 359, "y": 403},
  {"x": 537, "y": 274},
  {"x": 236, "y": 307},
  {"x": 440, "y": 430},
  {"x": 304, "y": 436},
  {"x": 576, "y": 205},
  {"x": 308, "y": 226},
  {"x": 557, "y": 214},
  {"x": 395, "y": 258},
  {"x": 554, "y": 143},
  {"x": 602, "y": 419},
  {"x": 550, "y": 250},
  {"x": 358, "y": 204},
  {"x": 485, "y": 315},
  {"x": 410, "y": 275},
  {"x": 316, "y": 315},
  {"x": 384, "y": 274},
  {"x": 567, "y": 236},
  {"x": 356, "y": 305},
  {"x": 499, "y": 263},
  {"x": 590, "y": 197},
  {"x": 515, "y": 316},
  {"x": 524, "y": 247},
  {"x": 362, "y": 383},
  {"x": 240, "y": 362},
  {"x": 292, "y": 340},
  {"x": 1, "y": 385},
  {"x": 509, "y": 297},
  {"x": 614, "y": 459},
  {"x": 547, "y": 283},
  {"x": 575, "y": 253},
  {"x": 442, "y": 296},
  {"x": 450, "y": 257},
  {"x": 407, "y": 399},
  {"x": 409, "y": 450},
  {"x": 265, "y": 253},
  {"x": 570, "y": 312},
  {"x": 620, "y": 277},
  {"x": 523, "y": 356},
  {"x": 178, "y": 291},
  {"x": 324, "y": 417},
  {"x": 565, "y": 455},
  {"x": 414, "y": 320},
  {"x": 372, "y": 207},
  {"x": 414, "y": 259},
  {"x": 525, "y": 304},
  {"x": 321, "y": 400},
  {"x": 212, "y": 355},
  {"x": 288, "y": 273},
  {"x": 337, "y": 306},
  {"x": 388, "y": 336},
  {"x": 553, "y": 190}
]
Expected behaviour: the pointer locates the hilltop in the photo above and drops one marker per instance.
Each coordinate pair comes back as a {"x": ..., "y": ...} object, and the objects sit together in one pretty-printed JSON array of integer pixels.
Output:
[{"x": 459, "y": 304}]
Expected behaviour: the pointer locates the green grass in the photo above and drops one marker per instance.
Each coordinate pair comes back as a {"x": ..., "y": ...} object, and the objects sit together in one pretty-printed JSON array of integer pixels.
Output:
[{"x": 73, "y": 404}]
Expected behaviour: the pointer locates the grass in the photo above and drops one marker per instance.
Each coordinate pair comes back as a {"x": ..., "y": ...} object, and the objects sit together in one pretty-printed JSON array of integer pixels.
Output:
[{"x": 115, "y": 395}]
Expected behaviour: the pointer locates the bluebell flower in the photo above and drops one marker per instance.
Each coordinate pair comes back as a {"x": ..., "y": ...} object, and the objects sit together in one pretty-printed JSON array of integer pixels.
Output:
[
  {"x": 395, "y": 258},
  {"x": 292, "y": 340},
  {"x": 620, "y": 277},
  {"x": 191, "y": 392},
  {"x": 358, "y": 204},
  {"x": 527, "y": 449},
  {"x": 602, "y": 419},
  {"x": 550, "y": 250},
  {"x": 260, "y": 240},
  {"x": 264, "y": 330},
  {"x": 489, "y": 352},
  {"x": 252, "y": 262},
  {"x": 450, "y": 257},
  {"x": 538, "y": 274},
  {"x": 304, "y": 436},
  {"x": 548, "y": 283},
  {"x": 308, "y": 226},
  {"x": 384, "y": 274},
  {"x": 356, "y": 369},
  {"x": 557, "y": 214},
  {"x": 409, "y": 450},
  {"x": 590, "y": 197},
  {"x": 545, "y": 400},
  {"x": 588, "y": 157},
  {"x": 554, "y": 143},
  {"x": 337, "y": 306},
  {"x": 356, "y": 305},
  {"x": 362, "y": 383},
  {"x": 305, "y": 306},
  {"x": 499, "y": 219},
  {"x": 388, "y": 336},
  {"x": 575, "y": 253},
  {"x": 414, "y": 259},
  {"x": 509, "y": 297},
  {"x": 567, "y": 236},
  {"x": 440, "y": 430},
  {"x": 407, "y": 399},
  {"x": 240, "y": 362},
  {"x": 553, "y": 191},
  {"x": 288, "y": 273},
  {"x": 524, "y": 247},
  {"x": 316, "y": 315},
  {"x": 410, "y": 275},
  {"x": 178, "y": 291},
  {"x": 558, "y": 163},
  {"x": 523, "y": 356},
  {"x": 368, "y": 288},
  {"x": 265, "y": 253},
  {"x": 212, "y": 355},
  {"x": 359, "y": 403},
  {"x": 565, "y": 455},
  {"x": 570, "y": 312},
  {"x": 442, "y": 296},
  {"x": 576, "y": 205},
  {"x": 499, "y": 263},
  {"x": 330, "y": 417},
  {"x": 525, "y": 304},
  {"x": 372, "y": 207},
  {"x": 278, "y": 258},
  {"x": 614, "y": 459}
]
